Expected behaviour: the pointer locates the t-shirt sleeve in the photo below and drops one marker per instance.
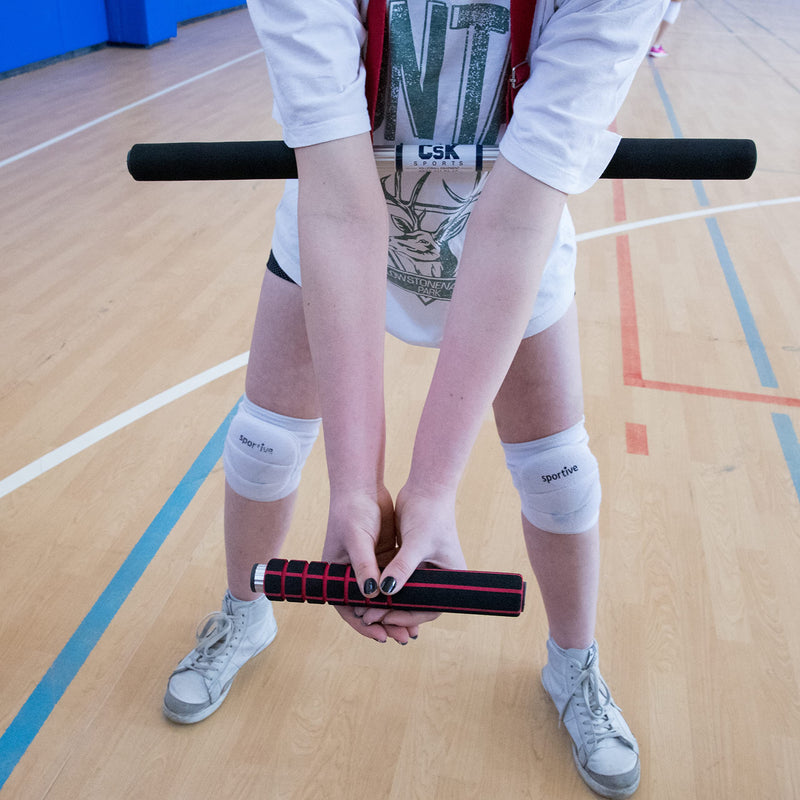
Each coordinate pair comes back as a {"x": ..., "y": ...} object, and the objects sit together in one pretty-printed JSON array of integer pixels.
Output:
[
  {"x": 581, "y": 70},
  {"x": 313, "y": 52}
]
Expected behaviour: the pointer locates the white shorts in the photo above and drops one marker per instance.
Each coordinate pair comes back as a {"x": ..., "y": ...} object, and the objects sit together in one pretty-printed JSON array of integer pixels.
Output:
[{"x": 413, "y": 312}]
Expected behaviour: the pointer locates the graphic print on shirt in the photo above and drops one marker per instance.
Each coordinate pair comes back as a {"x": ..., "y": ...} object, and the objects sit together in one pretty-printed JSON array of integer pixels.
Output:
[
  {"x": 420, "y": 258},
  {"x": 419, "y": 102}
]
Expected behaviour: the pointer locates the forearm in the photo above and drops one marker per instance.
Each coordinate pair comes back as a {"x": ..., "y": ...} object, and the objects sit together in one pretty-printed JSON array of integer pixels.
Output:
[
  {"x": 509, "y": 237},
  {"x": 343, "y": 245}
]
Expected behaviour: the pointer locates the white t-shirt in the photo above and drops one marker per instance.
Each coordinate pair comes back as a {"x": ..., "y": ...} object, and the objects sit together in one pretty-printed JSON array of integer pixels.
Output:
[{"x": 444, "y": 83}]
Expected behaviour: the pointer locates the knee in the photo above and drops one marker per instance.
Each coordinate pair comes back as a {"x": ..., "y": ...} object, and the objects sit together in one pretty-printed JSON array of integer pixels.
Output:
[
  {"x": 558, "y": 480},
  {"x": 265, "y": 452}
]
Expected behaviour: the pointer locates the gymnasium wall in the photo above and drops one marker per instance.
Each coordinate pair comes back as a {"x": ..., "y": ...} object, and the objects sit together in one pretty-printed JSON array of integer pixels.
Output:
[{"x": 34, "y": 32}]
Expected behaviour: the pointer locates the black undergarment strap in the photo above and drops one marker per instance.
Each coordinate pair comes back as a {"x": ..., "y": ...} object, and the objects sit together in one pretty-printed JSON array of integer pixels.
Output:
[{"x": 275, "y": 268}]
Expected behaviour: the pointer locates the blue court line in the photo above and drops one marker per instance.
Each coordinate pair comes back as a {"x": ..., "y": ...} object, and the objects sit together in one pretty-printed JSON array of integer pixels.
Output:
[
  {"x": 783, "y": 424},
  {"x": 757, "y": 350},
  {"x": 790, "y": 445},
  {"x": 43, "y": 699},
  {"x": 748, "y": 323},
  {"x": 699, "y": 189}
]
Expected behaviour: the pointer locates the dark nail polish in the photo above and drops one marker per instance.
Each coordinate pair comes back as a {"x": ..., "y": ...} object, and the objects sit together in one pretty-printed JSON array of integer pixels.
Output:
[
  {"x": 387, "y": 587},
  {"x": 370, "y": 585},
  {"x": 413, "y": 637}
]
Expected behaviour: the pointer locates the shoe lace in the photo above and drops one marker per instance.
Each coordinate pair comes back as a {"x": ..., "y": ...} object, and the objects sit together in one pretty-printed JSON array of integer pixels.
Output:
[
  {"x": 212, "y": 637},
  {"x": 592, "y": 702}
]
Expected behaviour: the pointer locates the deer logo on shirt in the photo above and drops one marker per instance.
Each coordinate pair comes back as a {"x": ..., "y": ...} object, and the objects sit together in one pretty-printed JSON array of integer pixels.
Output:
[{"x": 420, "y": 258}]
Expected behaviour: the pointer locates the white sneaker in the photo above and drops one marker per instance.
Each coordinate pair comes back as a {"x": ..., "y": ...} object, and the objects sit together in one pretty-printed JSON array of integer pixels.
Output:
[
  {"x": 226, "y": 640},
  {"x": 603, "y": 747}
]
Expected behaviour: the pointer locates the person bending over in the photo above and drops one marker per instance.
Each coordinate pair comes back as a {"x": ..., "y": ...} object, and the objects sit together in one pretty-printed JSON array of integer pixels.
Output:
[{"x": 481, "y": 267}]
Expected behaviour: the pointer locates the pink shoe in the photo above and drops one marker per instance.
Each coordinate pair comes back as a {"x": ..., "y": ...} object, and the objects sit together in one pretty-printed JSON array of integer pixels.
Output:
[{"x": 657, "y": 52}]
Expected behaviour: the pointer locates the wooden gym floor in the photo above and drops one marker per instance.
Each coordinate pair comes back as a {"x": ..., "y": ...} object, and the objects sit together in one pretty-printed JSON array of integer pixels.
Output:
[{"x": 125, "y": 322}]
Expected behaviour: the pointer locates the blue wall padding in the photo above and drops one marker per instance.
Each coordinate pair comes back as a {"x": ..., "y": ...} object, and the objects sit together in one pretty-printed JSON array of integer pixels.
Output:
[
  {"x": 31, "y": 32},
  {"x": 191, "y": 9},
  {"x": 141, "y": 22}
]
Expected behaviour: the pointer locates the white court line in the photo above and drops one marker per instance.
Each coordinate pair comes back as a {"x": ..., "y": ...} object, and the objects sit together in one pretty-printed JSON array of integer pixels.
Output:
[
  {"x": 83, "y": 442},
  {"x": 86, "y": 126},
  {"x": 61, "y": 454},
  {"x": 705, "y": 212}
]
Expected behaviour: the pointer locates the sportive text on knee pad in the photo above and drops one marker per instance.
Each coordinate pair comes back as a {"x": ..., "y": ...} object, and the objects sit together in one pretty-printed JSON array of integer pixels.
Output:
[
  {"x": 265, "y": 452},
  {"x": 558, "y": 480}
]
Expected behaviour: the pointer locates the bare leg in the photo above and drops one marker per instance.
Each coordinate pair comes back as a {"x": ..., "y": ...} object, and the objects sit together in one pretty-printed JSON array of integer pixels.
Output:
[
  {"x": 670, "y": 16},
  {"x": 542, "y": 395},
  {"x": 662, "y": 29},
  {"x": 280, "y": 377},
  {"x": 254, "y": 533},
  {"x": 567, "y": 570}
]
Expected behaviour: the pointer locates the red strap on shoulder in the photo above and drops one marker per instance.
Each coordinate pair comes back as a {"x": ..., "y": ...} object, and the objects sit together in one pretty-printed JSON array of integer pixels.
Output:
[
  {"x": 376, "y": 28},
  {"x": 521, "y": 13}
]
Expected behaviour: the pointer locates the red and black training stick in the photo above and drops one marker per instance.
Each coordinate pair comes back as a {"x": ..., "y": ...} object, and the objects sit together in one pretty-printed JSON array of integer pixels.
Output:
[
  {"x": 666, "y": 159},
  {"x": 499, "y": 594}
]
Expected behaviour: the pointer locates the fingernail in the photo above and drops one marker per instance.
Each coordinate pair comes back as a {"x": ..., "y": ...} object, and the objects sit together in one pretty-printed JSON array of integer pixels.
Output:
[
  {"x": 370, "y": 585},
  {"x": 414, "y": 637},
  {"x": 387, "y": 587}
]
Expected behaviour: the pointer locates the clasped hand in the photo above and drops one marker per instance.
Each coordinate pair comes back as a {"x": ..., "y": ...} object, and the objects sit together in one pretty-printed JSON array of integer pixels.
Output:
[{"x": 385, "y": 543}]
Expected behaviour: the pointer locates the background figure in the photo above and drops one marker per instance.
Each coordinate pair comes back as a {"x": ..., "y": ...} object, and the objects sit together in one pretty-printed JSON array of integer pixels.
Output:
[{"x": 670, "y": 15}]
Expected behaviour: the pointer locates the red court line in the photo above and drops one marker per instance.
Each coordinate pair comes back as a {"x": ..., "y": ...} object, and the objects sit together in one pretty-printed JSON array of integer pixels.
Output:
[
  {"x": 636, "y": 439},
  {"x": 620, "y": 212},
  {"x": 618, "y": 189},
  {"x": 631, "y": 355},
  {"x": 726, "y": 394}
]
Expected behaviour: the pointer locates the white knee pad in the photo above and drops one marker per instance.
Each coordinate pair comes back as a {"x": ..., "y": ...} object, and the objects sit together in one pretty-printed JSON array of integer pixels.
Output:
[
  {"x": 265, "y": 452},
  {"x": 558, "y": 480},
  {"x": 673, "y": 9}
]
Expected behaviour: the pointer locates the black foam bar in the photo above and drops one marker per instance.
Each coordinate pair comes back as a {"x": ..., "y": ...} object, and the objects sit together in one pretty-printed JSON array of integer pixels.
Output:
[
  {"x": 211, "y": 161},
  {"x": 457, "y": 591},
  {"x": 666, "y": 159},
  {"x": 683, "y": 159}
]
